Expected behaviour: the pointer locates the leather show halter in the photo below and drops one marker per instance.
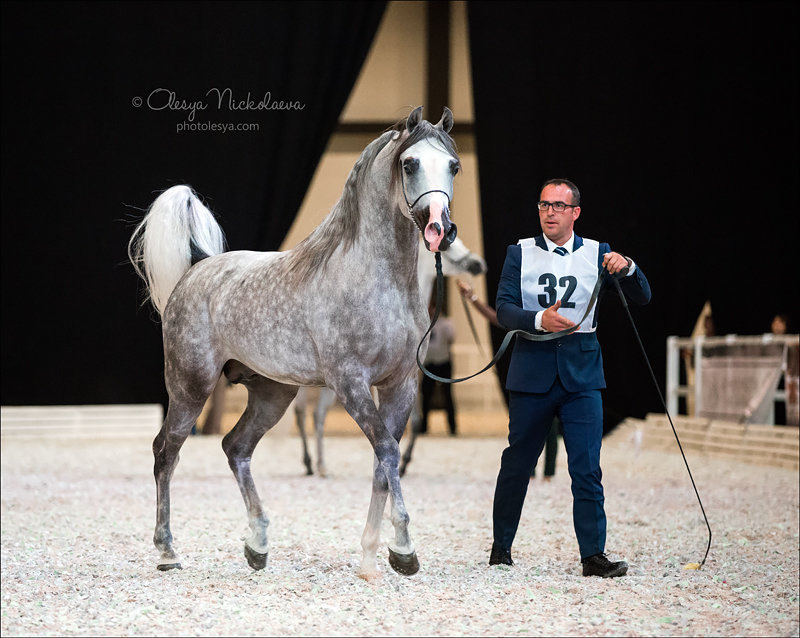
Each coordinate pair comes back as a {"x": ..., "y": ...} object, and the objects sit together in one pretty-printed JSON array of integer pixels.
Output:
[{"x": 411, "y": 205}]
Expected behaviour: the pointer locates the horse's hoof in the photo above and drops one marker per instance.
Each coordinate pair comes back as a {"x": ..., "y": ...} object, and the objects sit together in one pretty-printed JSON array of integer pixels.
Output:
[
  {"x": 254, "y": 559},
  {"x": 165, "y": 567},
  {"x": 405, "y": 564}
]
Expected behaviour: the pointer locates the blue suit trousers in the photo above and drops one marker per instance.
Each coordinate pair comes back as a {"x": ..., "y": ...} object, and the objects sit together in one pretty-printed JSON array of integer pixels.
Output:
[{"x": 531, "y": 416}]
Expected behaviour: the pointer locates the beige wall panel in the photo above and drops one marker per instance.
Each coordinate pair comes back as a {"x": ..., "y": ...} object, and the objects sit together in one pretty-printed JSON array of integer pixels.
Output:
[
  {"x": 326, "y": 188},
  {"x": 392, "y": 81},
  {"x": 460, "y": 66}
]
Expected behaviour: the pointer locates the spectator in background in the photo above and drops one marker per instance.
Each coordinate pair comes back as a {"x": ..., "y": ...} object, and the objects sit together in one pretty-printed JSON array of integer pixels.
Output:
[
  {"x": 780, "y": 324},
  {"x": 786, "y": 411},
  {"x": 438, "y": 361}
]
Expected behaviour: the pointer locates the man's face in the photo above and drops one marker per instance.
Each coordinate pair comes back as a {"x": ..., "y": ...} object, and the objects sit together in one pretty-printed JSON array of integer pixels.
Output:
[{"x": 557, "y": 227}]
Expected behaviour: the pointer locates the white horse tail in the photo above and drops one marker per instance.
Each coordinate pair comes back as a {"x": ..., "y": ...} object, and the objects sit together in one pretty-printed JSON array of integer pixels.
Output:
[{"x": 176, "y": 232}]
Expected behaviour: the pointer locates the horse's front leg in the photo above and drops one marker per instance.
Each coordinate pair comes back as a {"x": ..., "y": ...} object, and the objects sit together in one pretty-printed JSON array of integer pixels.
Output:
[
  {"x": 383, "y": 429},
  {"x": 371, "y": 537},
  {"x": 396, "y": 403}
]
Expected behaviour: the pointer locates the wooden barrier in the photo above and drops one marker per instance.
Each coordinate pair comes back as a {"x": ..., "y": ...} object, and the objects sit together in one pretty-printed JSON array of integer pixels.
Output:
[
  {"x": 80, "y": 421},
  {"x": 761, "y": 444}
]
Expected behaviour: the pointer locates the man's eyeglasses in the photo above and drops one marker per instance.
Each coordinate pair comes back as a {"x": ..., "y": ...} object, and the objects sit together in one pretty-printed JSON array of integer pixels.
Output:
[{"x": 558, "y": 207}]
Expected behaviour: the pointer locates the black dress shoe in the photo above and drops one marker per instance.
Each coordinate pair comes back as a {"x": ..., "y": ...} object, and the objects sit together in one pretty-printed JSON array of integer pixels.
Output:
[
  {"x": 599, "y": 565},
  {"x": 500, "y": 556}
]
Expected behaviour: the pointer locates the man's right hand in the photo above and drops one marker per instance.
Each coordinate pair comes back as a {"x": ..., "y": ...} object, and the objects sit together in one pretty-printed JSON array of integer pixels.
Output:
[{"x": 554, "y": 322}]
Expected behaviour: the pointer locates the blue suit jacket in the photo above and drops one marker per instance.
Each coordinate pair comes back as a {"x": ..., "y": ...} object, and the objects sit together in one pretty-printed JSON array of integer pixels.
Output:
[{"x": 575, "y": 358}]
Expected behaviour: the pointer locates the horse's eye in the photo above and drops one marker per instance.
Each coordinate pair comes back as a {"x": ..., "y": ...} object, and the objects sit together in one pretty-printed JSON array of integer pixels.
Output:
[
  {"x": 410, "y": 165},
  {"x": 454, "y": 167}
]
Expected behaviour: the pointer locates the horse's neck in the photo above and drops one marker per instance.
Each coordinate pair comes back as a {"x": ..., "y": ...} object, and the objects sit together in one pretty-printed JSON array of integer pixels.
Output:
[{"x": 388, "y": 241}]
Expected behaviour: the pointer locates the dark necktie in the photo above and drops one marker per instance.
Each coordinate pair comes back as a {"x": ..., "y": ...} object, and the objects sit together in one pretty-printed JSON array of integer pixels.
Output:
[{"x": 560, "y": 250}]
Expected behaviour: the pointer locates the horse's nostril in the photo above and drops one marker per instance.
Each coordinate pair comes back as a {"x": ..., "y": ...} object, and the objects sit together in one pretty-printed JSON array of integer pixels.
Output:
[
  {"x": 452, "y": 233},
  {"x": 437, "y": 228}
]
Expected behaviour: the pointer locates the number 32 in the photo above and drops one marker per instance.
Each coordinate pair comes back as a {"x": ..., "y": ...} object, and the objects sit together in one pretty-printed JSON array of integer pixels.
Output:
[{"x": 548, "y": 280}]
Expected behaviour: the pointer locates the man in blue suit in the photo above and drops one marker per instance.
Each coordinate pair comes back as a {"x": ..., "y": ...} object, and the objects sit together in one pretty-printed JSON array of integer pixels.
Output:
[{"x": 546, "y": 287}]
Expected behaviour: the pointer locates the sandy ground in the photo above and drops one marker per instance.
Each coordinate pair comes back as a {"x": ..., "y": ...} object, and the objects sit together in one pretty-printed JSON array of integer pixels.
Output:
[{"x": 77, "y": 555}]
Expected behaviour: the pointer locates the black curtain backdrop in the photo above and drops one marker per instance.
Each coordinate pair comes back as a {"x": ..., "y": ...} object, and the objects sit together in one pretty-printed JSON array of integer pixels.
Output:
[
  {"x": 90, "y": 136},
  {"x": 678, "y": 122}
]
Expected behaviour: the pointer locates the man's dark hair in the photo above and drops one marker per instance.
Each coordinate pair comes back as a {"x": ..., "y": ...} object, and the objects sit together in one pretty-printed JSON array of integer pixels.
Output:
[{"x": 576, "y": 194}]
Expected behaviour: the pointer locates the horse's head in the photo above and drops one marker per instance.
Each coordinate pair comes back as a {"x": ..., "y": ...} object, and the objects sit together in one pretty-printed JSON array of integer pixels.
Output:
[{"x": 427, "y": 162}]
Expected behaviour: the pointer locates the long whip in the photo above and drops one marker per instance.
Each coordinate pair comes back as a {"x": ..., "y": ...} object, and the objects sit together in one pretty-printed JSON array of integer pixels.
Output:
[{"x": 663, "y": 403}]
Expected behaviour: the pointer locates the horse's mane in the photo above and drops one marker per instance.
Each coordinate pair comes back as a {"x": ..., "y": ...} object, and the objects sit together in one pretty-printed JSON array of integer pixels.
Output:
[{"x": 341, "y": 226}]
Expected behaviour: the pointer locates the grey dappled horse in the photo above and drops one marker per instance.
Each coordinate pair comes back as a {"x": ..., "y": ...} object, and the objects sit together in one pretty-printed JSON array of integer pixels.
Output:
[
  {"x": 456, "y": 261},
  {"x": 341, "y": 309}
]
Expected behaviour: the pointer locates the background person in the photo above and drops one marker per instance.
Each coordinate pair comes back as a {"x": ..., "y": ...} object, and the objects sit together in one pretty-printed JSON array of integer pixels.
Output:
[{"x": 438, "y": 360}]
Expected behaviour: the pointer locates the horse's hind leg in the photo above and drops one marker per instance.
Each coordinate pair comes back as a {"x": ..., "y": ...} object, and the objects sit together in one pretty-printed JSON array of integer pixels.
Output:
[
  {"x": 324, "y": 403},
  {"x": 181, "y": 416},
  {"x": 267, "y": 401}
]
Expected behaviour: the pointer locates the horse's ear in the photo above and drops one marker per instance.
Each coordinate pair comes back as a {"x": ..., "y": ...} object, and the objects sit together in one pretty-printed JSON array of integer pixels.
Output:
[
  {"x": 414, "y": 119},
  {"x": 446, "y": 122}
]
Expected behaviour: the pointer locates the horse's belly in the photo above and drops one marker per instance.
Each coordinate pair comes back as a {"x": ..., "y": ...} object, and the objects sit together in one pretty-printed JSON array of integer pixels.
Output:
[{"x": 279, "y": 353}]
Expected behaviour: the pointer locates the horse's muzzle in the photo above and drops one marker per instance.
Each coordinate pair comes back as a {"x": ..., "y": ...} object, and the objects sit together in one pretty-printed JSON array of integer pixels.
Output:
[{"x": 439, "y": 232}]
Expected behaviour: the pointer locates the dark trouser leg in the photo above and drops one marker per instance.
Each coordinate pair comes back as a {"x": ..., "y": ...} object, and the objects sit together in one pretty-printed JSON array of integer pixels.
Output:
[
  {"x": 582, "y": 419},
  {"x": 530, "y": 417}
]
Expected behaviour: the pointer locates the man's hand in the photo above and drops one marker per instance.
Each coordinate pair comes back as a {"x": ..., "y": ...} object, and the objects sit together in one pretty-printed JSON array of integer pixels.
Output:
[
  {"x": 465, "y": 289},
  {"x": 554, "y": 322},
  {"x": 614, "y": 262}
]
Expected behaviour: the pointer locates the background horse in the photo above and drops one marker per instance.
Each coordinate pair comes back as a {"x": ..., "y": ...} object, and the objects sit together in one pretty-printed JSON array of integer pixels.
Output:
[
  {"x": 341, "y": 309},
  {"x": 456, "y": 261}
]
